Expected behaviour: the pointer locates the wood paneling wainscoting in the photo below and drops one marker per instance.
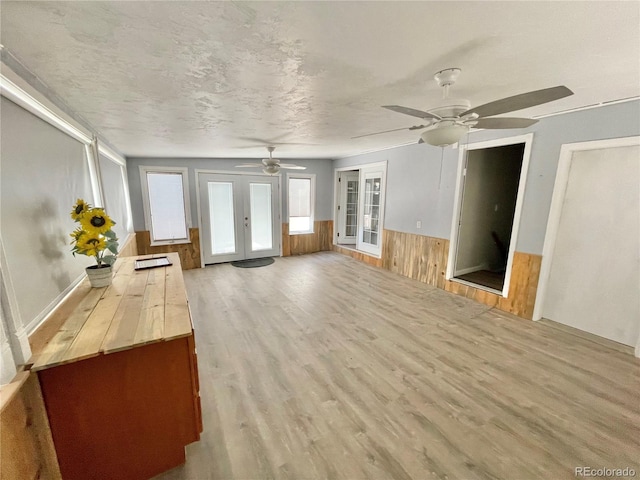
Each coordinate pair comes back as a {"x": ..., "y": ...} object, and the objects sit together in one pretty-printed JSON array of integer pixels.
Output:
[
  {"x": 363, "y": 257},
  {"x": 522, "y": 287},
  {"x": 189, "y": 252},
  {"x": 318, "y": 241},
  {"x": 415, "y": 256},
  {"x": 425, "y": 259},
  {"x": 129, "y": 248},
  {"x": 26, "y": 445}
]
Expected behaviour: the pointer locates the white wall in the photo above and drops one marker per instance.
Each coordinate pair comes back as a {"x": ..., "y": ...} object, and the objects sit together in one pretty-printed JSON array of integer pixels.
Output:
[
  {"x": 414, "y": 191},
  {"x": 46, "y": 164},
  {"x": 321, "y": 168},
  {"x": 594, "y": 276},
  {"x": 44, "y": 171},
  {"x": 420, "y": 187}
]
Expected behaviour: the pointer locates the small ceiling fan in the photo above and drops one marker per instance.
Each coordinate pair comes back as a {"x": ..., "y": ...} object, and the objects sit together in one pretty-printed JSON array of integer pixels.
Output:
[
  {"x": 450, "y": 120},
  {"x": 271, "y": 166}
]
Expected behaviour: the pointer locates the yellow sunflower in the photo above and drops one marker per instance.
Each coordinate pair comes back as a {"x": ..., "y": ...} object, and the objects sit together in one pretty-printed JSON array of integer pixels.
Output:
[
  {"x": 79, "y": 209},
  {"x": 90, "y": 244},
  {"x": 76, "y": 234},
  {"x": 95, "y": 221}
]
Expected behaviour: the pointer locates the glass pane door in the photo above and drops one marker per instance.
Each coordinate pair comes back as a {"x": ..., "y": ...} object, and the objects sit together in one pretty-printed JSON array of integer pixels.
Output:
[
  {"x": 262, "y": 226},
  {"x": 261, "y": 218},
  {"x": 371, "y": 224},
  {"x": 222, "y": 218},
  {"x": 240, "y": 216},
  {"x": 351, "y": 222},
  {"x": 221, "y": 211},
  {"x": 371, "y": 209},
  {"x": 347, "y": 207}
]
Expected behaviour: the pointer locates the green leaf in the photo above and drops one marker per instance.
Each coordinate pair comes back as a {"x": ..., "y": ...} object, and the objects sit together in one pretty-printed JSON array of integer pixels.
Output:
[
  {"x": 110, "y": 234},
  {"x": 109, "y": 259}
]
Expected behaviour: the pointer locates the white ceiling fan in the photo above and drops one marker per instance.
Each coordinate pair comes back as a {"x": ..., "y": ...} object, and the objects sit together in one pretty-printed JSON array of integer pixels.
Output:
[
  {"x": 450, "y": 120},
  {"x": 271, "y": 166}
]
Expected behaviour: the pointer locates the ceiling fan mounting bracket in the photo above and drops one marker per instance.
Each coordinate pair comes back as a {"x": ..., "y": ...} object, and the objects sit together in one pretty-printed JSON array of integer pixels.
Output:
[
  {"x": 447, "y": 77},
  {"x": 270, "y": 162},
  {"x": 450, "y": 107}
]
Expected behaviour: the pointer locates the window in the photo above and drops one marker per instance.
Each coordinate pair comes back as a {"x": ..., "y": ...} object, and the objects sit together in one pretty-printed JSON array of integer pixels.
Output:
[
  {"x": 116, "y": 196},
  {"x": 301, "y": 195},
  {"x": 166, "y": 205}
]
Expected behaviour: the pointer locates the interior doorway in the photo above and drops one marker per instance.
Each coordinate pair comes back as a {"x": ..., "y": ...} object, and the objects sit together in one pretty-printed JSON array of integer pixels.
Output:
[
  {"x": 359, "y": 207},
  {"x": 239, "y": 216},
  {"x": 590, "y": 274},
  {"x": 490, "y": 190}
]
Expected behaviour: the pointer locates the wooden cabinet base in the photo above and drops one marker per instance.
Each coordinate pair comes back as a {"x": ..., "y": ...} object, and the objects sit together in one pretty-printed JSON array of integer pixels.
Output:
[{"x": 126, "y": 415}]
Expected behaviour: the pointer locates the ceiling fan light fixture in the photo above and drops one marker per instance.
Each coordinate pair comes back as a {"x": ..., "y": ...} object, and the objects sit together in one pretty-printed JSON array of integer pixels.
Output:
[{"x": 445, "y": 135}]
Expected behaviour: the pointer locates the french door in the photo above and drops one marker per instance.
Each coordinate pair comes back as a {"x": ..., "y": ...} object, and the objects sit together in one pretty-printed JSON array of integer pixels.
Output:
[
  {"x": 348, "y": 207},
  {"x": 240, "y": 216},
  {"x": 371, "y": 208}
]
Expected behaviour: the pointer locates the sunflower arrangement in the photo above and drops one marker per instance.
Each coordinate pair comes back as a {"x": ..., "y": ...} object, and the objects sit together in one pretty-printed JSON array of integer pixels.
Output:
[{"x": 94, "y": 237}]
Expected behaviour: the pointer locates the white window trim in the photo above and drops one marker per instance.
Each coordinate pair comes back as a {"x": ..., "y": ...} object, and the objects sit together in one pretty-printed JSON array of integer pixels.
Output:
[
  {"x": 144, "y": 169},
  {"x": 306, "y": 176}
]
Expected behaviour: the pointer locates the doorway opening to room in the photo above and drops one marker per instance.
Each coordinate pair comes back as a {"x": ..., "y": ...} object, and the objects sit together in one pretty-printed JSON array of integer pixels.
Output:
[
  {"x": 359, "y": 207},
  {"x": 239, "y": 215},
  {"x": 490, "y": 191}
]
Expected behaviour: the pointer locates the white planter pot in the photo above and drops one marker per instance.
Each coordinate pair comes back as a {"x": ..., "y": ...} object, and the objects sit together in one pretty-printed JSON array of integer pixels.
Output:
[{"x": 100, "y": 277}]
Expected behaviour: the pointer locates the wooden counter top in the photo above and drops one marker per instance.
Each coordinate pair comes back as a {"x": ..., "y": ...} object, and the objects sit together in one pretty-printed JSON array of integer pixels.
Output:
[{"x": 138, "y": 308}]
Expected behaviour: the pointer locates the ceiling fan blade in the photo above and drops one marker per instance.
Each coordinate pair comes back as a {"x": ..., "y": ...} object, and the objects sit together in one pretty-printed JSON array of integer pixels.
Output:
[
  {"x": 411, "y": 111},
  {"x": 265, "y": 141},
  {"x": 279, "y": 144},
  {"x": 289, "y": 166},
  {"x": 519, "y": 102},
  {"x": 504, "y": 122},
  {"x": 250, "y": 165},
  {"x": 416, "y": 127}
]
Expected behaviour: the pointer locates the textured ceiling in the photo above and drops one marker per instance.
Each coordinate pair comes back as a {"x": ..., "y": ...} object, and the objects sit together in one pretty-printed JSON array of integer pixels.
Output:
[{"x": 216, "y": 79}]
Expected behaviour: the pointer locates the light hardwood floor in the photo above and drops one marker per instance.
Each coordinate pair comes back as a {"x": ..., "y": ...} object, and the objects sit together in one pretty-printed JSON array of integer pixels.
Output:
[{"x": 320, "y": 366}]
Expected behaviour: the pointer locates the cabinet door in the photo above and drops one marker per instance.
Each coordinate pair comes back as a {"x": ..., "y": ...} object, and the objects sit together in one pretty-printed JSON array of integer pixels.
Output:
[{"x": 132, "y": 413}]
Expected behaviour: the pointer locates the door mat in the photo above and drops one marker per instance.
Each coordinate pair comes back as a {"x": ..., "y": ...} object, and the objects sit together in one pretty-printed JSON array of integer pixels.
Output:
[{"x": 255, "y": 262}]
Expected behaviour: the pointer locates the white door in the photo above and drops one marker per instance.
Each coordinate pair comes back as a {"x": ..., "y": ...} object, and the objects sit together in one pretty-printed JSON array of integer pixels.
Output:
[
  {"x": 371, "y": 209},
  {"x": 348, "y": 208},
  {"x": 240, "y": 216},
  {"x": 594, "y": 276}
]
